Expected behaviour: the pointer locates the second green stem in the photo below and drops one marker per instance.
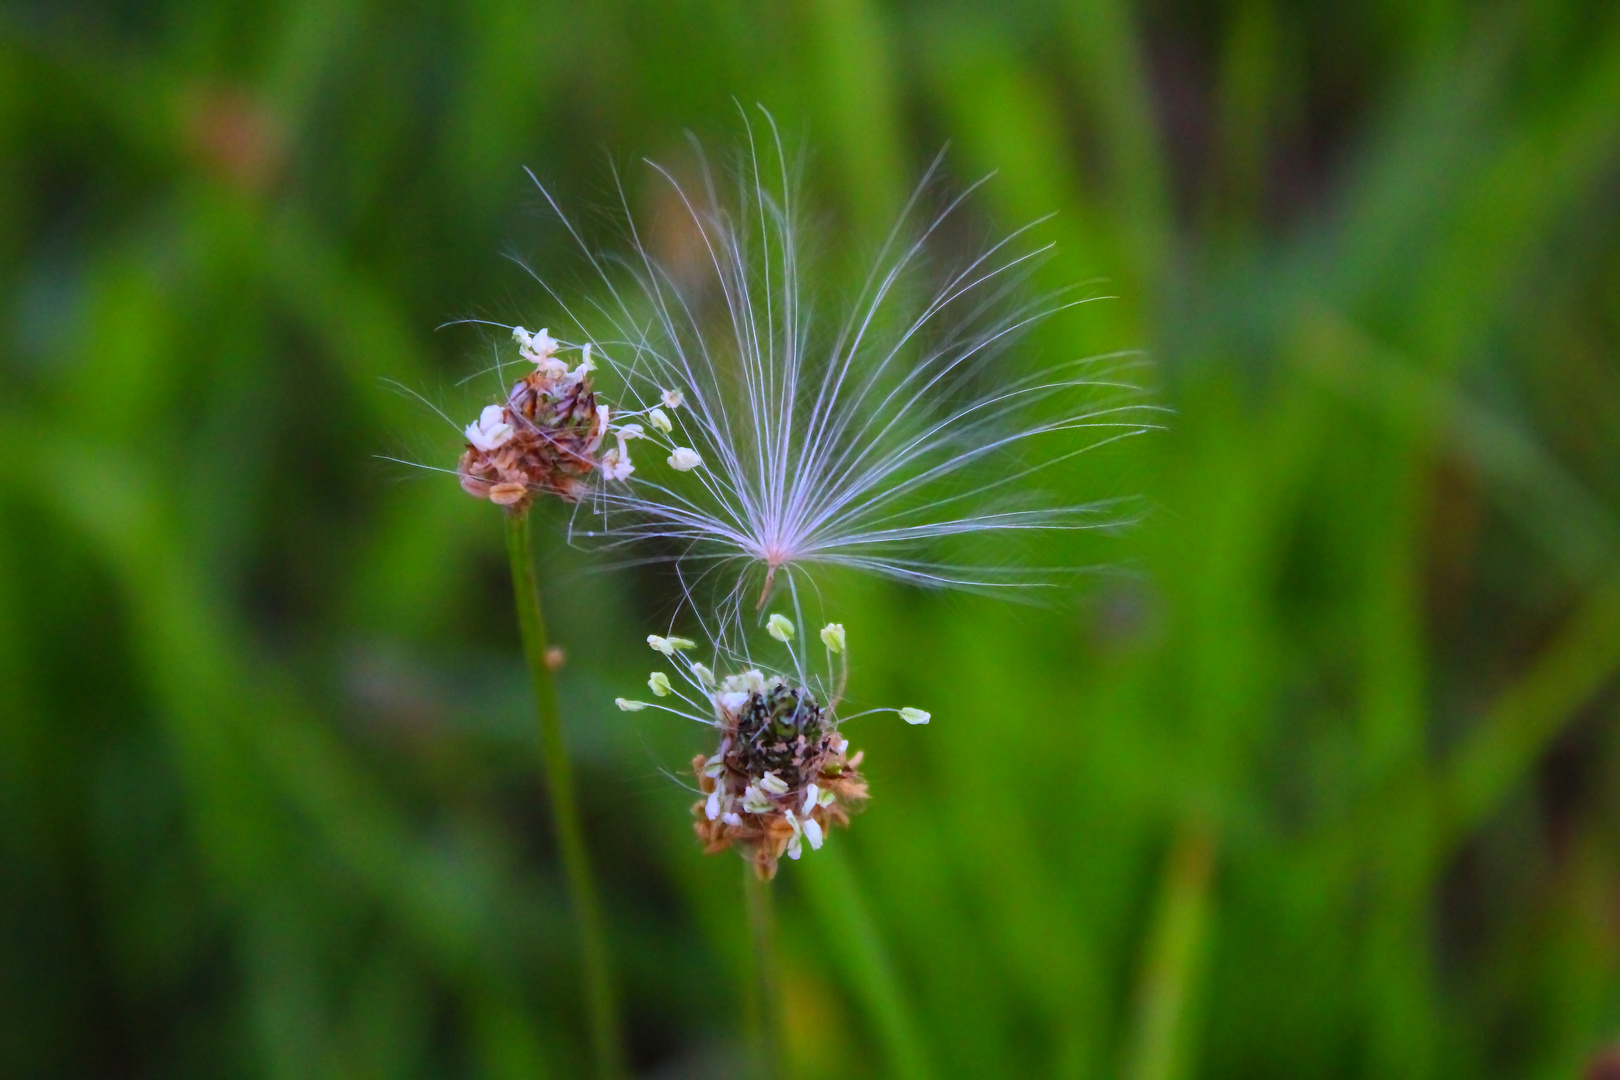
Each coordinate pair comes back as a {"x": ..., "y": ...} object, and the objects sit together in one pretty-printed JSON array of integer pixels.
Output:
[
  {"x": 599, "y": 998},
  {"x": 766, "y": 1015}
]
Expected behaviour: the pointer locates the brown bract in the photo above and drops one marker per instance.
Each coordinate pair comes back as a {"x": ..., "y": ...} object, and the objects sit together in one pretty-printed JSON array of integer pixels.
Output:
[
  {"x": 556, "y": 431},
  {"x": 765, "y": 835}
]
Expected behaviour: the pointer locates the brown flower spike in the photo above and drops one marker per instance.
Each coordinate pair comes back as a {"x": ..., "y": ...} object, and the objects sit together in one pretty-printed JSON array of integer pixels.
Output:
[
  {"x": 782, "y": 775},
  {"x": 544, "y": 439}
]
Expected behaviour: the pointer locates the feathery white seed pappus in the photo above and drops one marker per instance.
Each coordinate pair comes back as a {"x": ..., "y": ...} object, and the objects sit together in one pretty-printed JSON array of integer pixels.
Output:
[{"x": 860, "y": 438}]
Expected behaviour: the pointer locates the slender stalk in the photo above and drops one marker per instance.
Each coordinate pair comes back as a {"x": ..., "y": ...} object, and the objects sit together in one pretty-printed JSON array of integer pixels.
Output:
[
  {"x": 599, "y": 1001},
  {"x": 765, "y": 1015}
]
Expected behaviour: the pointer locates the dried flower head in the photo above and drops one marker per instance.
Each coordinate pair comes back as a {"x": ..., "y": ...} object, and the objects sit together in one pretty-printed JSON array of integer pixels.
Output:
[
  {"x": 545, "y": 437},
  {"x": 782, "y": 775}
]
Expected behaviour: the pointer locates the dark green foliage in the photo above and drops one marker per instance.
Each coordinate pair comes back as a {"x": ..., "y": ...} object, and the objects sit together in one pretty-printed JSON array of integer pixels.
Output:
[{"x": 1324, "y": 781}]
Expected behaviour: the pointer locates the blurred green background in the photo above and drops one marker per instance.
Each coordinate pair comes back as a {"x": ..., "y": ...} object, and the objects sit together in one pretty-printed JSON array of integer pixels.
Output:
[{"x": 1320, "y": 783}]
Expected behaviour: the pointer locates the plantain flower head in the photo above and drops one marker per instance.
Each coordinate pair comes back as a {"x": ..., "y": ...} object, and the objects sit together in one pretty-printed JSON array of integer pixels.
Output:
[{"x": 781, "y": 775}]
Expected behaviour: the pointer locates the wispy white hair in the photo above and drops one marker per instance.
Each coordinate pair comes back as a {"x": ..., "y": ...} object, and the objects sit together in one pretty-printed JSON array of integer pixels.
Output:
[{"x": 862, "y": 441}]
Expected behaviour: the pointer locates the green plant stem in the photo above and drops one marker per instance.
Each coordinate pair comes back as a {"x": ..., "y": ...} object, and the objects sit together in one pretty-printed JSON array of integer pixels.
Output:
[
  {"x": 765, "y": 1017},
  {"x": 599, "y": 1000}
]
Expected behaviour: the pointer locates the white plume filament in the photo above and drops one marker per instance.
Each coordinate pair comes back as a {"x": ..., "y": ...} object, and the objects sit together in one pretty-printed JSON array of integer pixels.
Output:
[{"x": 862, "y": 442}]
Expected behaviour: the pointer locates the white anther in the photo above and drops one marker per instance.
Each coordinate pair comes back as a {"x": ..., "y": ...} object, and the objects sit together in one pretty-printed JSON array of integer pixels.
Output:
[{"x": 490, "y": 430}]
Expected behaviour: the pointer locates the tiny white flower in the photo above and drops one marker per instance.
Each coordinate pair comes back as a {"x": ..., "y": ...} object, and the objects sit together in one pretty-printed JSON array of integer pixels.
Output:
[
  {"x": 674, "y": 399},
  {"x": 914, "y": 716},
  {"x": 712, "y": 807},
  {"x": 704, "y": 675},
  {"x": 811, "y": 793},
  {"x": 490, "y": 430},
  {"x": 631, "y": 431},
  {"x": 733, "y": 700},
  {"x": 629, "y": 706},
  {"x": 659, "y": 419},
  {"x": 658, "y": 683},
  {"x": 538, "y": 347},
  {"x": 755, "y": 802},
  {"x": 833, "y": 636},
  {"x": 684, "y": 459},
  {"x": 603, "y": 414},
  {"x": 780, "y": 627},
  {"x": 774, "y": 784},
  {"x": 812, "y": 833},
  {"x": 615, "y": 463},
  {"x": 750, "y": 682},
  {"x": 794, "y": 848}
]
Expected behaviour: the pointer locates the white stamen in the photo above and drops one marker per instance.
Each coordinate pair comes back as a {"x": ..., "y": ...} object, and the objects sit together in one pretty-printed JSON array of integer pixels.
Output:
[
  {"x": 538, "y": 347},
  {"x": 658, "y": 682},
  {"x": 629, "y": 706},
  {"x": 490, "y": 430},
  {"x": 812, "y": 833},
  {"x": 915, "y": 716},
  {"x": 704, "y": 675},
  {"x": 659, "y": 419},
  {"x": 616, "y": 464},
  {"x": 774, "y": 784},
  {"x": 684, "y": 459},
  {"x": 832, "y": 635},
  {"x": 780, "y": 628},
  {"x": 673, "y": 399}
]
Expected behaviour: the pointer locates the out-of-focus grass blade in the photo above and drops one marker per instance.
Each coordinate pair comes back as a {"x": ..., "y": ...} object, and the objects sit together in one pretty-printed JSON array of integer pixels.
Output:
[
  {"x": 1112, "y": 73},
  {"x": 1159, "y": 1042},
  {"x": 243, "y": 749},
  {"x": 856, "y": 79},
  {"x": 1517, "y": 729},
  {"x": 853, "y": 939}
]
